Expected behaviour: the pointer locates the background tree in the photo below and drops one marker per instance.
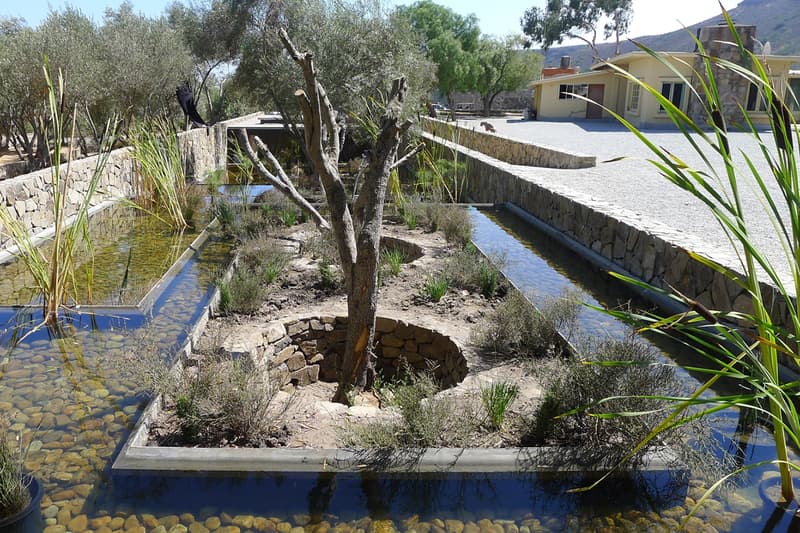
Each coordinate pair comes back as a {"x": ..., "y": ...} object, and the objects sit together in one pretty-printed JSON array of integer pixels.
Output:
[
  {"x": 503, "y": 66},
  {"x": 357, "y": 230},
  {"x": 358, "y": 47},
  {"x": 212, "y": 29},
  {"x": 577, "y": 19},
  {"x": 450, "y": 40}
]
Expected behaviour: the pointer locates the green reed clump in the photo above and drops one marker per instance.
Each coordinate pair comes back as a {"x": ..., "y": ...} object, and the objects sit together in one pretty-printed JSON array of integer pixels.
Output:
[
  {"x": 14, "y": 494},
  {"x": 161, "y": 186},
  {"x": 496, "y": 399},
  {"x": 435, "y": 287}
]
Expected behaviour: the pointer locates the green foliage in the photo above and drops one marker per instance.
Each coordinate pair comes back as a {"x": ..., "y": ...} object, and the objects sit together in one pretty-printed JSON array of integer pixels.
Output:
[
  {"x": 569, "y": 18},
  {"x": 426, "y": 419},
  {"x": 496, "y": 399},
  {"x": 359, "y": 48},
  {"x": 515, "y": 328},
  {"x": 441, "y": 177},
  {"x": 225, "y": 213},
  {"x": 392, "y": 261},
  {"x": 161, "y": 186},
  {"x": 435, "y": 287},
  {"x": 329, "y": 276},
  {"x": 503, "y": 65},
  {"x": 55, "y": 275},
  {"x": 288, "y": 217},
  {"x": 450, "y": 40},
  {"x": 626, "y": 372},
  {"x": 748, "y": 354},
  {"x": 14, "y": 495}
]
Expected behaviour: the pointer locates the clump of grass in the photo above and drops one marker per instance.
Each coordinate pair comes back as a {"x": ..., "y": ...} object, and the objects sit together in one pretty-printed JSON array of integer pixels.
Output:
[
  {"x": 435, "y": 287},
  {"x": 425, "y": 418},
  {"x": 14, "y": 494},
  {"x": 226, "y": 215},
  {"x": 496, "y": 399},
  {"x": 288, "y": 217},
  {"x": 392, "y": 261},
  {"x": 515, "y": 328},
  {"x": 260, "y": 263},
  {"x": 488, "y": 280}
]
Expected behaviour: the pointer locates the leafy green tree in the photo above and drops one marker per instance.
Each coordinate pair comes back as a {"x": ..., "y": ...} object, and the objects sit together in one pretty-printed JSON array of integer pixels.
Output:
[
  {"x": 503, "y": 66},
  {"x": 358, "y": 49},
  {"x": 575, "y": 19},
  {"x": 450, "y": 40},
  {"x": 213, "y": 30}
]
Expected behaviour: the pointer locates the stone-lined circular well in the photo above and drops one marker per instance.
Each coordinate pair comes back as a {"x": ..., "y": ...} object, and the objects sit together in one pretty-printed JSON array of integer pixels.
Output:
[{"x": 304, "y": 351}]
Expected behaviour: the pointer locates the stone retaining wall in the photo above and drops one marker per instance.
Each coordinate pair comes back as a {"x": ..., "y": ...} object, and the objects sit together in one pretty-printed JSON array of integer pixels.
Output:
[
  {"x": 506, "y": 149},
  {"x": 306, "y": 350},
  {"x": 651, "y": 252},
  {"x": 29, "y": 197}
]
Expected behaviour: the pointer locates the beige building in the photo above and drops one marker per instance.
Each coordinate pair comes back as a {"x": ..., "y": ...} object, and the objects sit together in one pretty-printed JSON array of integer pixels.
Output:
[{"x": 554, "y": 98}]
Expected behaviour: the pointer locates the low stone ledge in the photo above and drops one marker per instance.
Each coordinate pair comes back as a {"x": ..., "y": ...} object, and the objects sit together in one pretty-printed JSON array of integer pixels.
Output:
[{"x": 506, "y": 149}]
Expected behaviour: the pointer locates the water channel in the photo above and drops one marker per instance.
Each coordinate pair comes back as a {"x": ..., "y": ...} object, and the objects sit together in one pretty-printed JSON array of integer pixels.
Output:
[{"x": 70, "y": 400}]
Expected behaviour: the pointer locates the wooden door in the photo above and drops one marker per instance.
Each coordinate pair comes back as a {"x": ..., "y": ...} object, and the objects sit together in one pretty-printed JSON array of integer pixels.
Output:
[{"x": 596, "y": 93}]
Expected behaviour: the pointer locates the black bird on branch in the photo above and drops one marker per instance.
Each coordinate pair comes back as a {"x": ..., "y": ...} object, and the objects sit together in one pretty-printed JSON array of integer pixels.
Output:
[{"x": 186, "y": 100}]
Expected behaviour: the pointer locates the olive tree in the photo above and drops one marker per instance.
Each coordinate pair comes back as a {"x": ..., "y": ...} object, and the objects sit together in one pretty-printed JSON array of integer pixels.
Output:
[
  {"x": 503, "y": 66},
  {"x": 357, "y": 229}
]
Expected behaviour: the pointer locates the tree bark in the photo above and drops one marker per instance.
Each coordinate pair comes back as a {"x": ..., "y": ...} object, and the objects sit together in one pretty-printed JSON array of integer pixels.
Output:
[{"x": 358, "y": 241}]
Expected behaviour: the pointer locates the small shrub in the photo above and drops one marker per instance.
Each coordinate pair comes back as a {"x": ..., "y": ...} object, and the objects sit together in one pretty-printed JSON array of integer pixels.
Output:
[
  {"x": 517, "y": 329},
  {"x": 329, "y": 277},
  {"x": 322, "y": 247},
  {"x": 628, "y": 372},
  {"x": 393, "y": 261},
  {"x": 488, "y": 279},
  {"x": 468, "y": 269},
  {"x": 435, "y": 288},
  {"x": 456, "y": 224},
  {"x": 14, "y": 495},
  {"x": 496, "y": 399},
  {"x": 252, "y": 223},
  {"x": 225, "y": 298},
  {"x": 218, "y": 401},
  {"x": 263, "y": 258},
  {"x": 426, "y": 419},
  {"x": 247, "y": 292}
]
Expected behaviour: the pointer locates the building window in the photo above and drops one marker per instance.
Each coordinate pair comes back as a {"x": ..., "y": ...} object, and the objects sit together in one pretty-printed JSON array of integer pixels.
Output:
[
  {"x": 569, "y": 91},
  {"x": 757, "y": 100},
  {"x": 672, "y": 91},
  {"x": 634, "y": 93},
  {"x": 793, "y": 94}
]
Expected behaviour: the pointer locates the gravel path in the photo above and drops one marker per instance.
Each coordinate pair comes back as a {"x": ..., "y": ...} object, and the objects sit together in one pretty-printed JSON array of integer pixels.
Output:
[{"x": 634, "y": 186}]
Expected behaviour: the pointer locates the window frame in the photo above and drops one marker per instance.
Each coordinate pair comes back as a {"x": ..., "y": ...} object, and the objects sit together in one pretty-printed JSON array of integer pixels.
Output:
[
  {"x": 634, "y": 89},
  {"x": 672, "y": 83},
  {"x": 571, "y": 91}
]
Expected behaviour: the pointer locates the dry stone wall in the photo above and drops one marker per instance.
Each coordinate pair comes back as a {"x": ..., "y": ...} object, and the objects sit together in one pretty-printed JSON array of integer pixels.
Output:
[
  {"x": 29, "y": 197},
  {"x": 649, "y": 251},
  {"x": 507, "y": 149},
  {"x": 305, "y": 350}
]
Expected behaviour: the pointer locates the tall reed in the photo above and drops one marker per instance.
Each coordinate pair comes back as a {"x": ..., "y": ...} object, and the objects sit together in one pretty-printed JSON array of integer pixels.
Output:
[
  {"x": 741, "y": 346},
  {"x": 161, "y": 187},
  {"x": 54, "y": 275}
]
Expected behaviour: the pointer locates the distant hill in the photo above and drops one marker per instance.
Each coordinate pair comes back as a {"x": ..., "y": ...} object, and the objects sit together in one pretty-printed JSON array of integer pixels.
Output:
[{"x": 776, "y": 22}]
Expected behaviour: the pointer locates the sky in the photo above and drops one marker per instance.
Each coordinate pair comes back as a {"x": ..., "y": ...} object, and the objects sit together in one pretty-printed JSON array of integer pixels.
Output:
[{"x": 498, "y": 18}]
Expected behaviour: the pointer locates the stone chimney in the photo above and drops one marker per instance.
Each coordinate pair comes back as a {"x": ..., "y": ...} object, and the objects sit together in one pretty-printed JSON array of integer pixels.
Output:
[{"x": 733, "y": 88}]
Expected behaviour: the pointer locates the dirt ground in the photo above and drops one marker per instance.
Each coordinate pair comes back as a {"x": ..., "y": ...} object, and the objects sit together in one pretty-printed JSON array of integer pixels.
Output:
[{"x": 313, "y": 421}]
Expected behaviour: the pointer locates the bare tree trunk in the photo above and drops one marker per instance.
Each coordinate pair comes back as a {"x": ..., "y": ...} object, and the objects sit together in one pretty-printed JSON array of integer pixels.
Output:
[{"x": 358, "y": 242}]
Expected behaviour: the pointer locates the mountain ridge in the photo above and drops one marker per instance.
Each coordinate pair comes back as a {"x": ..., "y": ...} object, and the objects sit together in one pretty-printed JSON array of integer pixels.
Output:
[{"x": 774, "y": 21}]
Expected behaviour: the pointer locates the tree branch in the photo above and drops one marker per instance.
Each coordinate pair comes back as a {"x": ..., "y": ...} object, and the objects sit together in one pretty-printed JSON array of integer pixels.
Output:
[{"x": 281, "y": 181}]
